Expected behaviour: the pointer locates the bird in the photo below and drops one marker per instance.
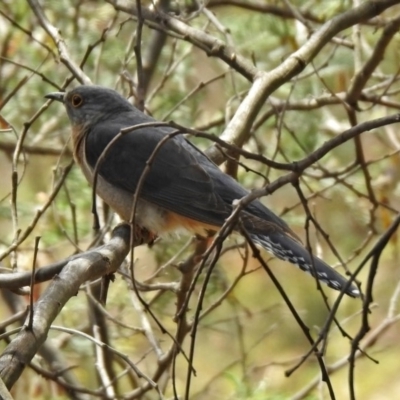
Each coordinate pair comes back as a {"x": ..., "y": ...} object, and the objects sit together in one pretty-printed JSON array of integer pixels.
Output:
[{"x": 182, "y": 189}]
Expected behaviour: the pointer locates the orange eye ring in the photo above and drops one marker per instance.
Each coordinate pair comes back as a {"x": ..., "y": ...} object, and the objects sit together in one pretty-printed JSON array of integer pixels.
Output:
[{"x": 76, "y": 100}]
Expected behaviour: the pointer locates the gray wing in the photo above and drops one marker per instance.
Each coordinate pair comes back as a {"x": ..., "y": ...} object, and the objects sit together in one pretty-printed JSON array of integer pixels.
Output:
[
  {"x": 181, "y": 178},
  {"x": 176, "y": 180}
]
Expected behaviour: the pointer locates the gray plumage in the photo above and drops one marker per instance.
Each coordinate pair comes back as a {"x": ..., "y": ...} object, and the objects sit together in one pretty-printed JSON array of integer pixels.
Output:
[{"x": 181, "y": 181}]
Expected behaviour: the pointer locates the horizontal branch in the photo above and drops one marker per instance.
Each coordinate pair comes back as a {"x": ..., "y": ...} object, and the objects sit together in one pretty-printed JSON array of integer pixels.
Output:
[{"x": 211, "y": 45}]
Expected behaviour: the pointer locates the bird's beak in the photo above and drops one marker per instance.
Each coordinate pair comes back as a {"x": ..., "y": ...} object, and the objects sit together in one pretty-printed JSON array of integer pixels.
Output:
[{"x": 59, "y": 96}]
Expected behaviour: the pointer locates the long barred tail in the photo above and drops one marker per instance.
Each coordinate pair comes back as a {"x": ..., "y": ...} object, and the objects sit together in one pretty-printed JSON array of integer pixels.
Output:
[{"x": 288, "y": 249}]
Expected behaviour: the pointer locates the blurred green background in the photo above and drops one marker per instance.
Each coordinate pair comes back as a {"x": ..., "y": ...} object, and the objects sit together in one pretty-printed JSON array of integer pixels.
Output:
[{"x": 245, "y": 345}]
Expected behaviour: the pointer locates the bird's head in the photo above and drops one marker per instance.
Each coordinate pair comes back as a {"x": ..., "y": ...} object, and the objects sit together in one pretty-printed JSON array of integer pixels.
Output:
[{"x": 88, "y": 105}]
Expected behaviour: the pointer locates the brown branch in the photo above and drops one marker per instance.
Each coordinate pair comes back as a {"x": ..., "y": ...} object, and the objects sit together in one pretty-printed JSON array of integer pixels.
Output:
[
  {"x": 211, "y": 45},
  {"x": 374, "y": 255},
  {"x": 363, "y": 75},
  {"x": 9, "y": 147},
  {"x": 88, "y": 266},
  {"x": 328, "y": 146},
  {"x": 25, "y": 234},
  {"x": 265, "y": 83},
  {"x": 53, "y": 32},
  {"x": 262, "y": 7},
  {"x": 151, "y": 57}
]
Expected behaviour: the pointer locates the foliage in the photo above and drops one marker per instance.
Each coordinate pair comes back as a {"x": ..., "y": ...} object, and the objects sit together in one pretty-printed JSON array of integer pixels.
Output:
[{"x": 259, "y": 87}]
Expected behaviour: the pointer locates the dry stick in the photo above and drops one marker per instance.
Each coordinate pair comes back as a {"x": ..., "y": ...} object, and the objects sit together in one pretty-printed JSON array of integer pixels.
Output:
[
  {"x": 15, "y": 181},
  {"x": 217, "y": 246},
  {"x": 201, "y": 85},
  {"x": 364, "y": 73},
  {"x": 301, "y": 165},
  {"x": 362, "y": 76},
  {"x": 360, "y": 159},
  {"x": 299, "y": 17},
  {"x": 101, "y": 331},
  {"x": 74, "y": 390},
  {"x": 16, "y": 154},
  {"x": 89, "y": 266},
  {"x": 9, "y": 147},
  {"x": 267, "y": 82},
  {"x": 13, "y": 318},
  {"x": 188, "y": 270},
  {"x": 235, "y": 149},
  {"x": 371, "y": 254},
  {"x": 105, "y": 345},
  {"x": 53, "y": 32},
  {"x": 171, "y": 261},
  {"x": 278, "y": 106},
  {"x": 162, "y": 366},
  {"x": 370, "y": 341},
  {"x": 14, "y": 281},
  {"x": 240, "y": 334},
  {"x": 100, "y": 307},
  {"x": 222, "y": 372},
  {"x": 153, "y": 49},
  {"x": 91, "y": 47},
  {"x": 30, "y": 320},
  {"x": 72, "y": 206},
  {"x": 331, "y": 98},
  {"x": 13, "y": 92},
  {"x": 136, "y": 195},
  {"x": 348, "y": 171},
  {"x": 310, "y": 217},
  {"x": 228, "y": 290},
  {"x": 292, "y": 308},
  {"x": 169, "y": 69},
  {"x": 208, "y": 43},
  {"x": 377, "y": 99},
  {"x": 27, "y": 32},
  {"x": 101, "y": 42},
  {"x": 279, "y": 123},
  {"x": 331, "y": 315},
  {"x": 375, "y": 255},
  {"x": 264, "y": 8},
  {"x": 101, "y": 365},
  {"x": 237, "y": 320},
  {"x": 319, "y": 229},
  {"x": 125, "y": 64},
  {"x": 147, "y": 329},
  {"x": 140, "y": 91},
  {"x": 39, "y": 213}
]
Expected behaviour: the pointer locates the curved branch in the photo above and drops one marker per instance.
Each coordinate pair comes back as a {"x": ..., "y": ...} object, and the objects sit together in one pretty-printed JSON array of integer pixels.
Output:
[
  {"x": 88, "y": 266},
  {"x": 266, "y": 83},
  {"x": 211, "y": 45}
]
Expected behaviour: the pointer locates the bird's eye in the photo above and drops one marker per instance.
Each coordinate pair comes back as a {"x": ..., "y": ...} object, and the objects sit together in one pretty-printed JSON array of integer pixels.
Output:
[{"x": 76, "y": 100}]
